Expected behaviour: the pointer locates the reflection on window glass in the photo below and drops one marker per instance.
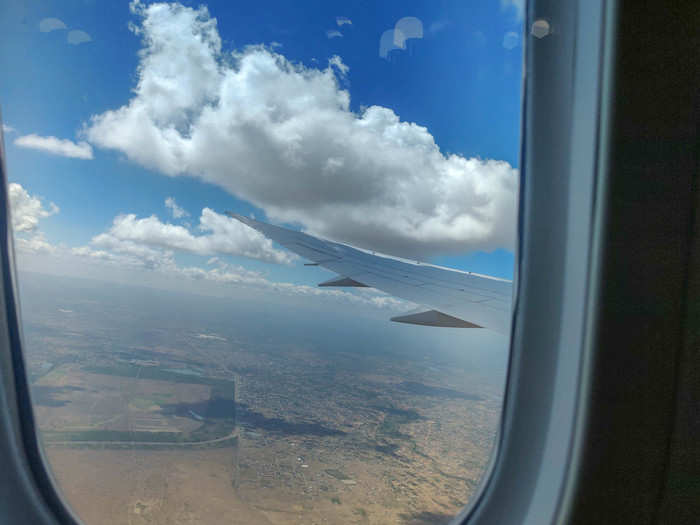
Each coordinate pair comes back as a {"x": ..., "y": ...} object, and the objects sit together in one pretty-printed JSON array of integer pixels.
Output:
[{"x": 185, "y": 365}]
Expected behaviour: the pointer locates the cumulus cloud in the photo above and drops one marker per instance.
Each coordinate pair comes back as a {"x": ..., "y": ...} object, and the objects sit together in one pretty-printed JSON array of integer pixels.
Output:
[
  {"x": 229, "y": 274},
  {"x": 148, "y": 244},
  {"x": 218, "y": 271},
  {"x": 338, "y": 63},
  {"x": 222, "y": 235},
  {"x": 35, "y": 243},
  {"x": 343, "y": 20},
  {"x": 7, "y": 129},
  {"x": 77, "y": 36},
  {"x": 56, "y": 146},
  {"x": 51, "y": 24},
  {"x": 176, "y": 210},
  {"x": 111, "y": 251},
  {"x": 26, "y": 209},
  {"x": 333, "y": 33},
  {"x": 282, "y": 136}
]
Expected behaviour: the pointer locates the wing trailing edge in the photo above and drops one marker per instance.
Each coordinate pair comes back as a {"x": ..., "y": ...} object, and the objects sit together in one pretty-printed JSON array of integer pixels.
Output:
[{"x": 453, "y": 298}]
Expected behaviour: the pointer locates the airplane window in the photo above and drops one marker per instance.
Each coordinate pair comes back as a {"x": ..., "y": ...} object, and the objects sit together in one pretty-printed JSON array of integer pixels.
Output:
[{"x": 264, "y": 252}]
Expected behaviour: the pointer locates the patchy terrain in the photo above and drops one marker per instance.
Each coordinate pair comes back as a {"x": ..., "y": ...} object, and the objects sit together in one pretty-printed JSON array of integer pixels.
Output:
[{"x": 188, "y": 424}]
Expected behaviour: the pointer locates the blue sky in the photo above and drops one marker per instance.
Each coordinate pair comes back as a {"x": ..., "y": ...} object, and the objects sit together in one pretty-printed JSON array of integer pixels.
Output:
[{"x": 460, "y": 81}]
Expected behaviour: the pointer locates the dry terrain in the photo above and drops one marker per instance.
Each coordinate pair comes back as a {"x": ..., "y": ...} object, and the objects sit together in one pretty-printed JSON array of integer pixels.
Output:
[{"x": 148, "y": 423}]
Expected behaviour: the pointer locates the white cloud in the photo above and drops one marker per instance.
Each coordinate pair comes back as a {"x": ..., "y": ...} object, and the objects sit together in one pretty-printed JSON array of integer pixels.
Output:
[
  {"x": 76, "y": 36},
  {"x": 51, "y": 24},
  {"x": 333, "y": 33},
  {"x": 121, "y": 258},
  {"x": 7, "y": 129},
  {"x": 343, "y": 20},
  {"x": 229, "y": 274},
  {"x": 148, "y": 244},
  {"x": 516, "y": 7},
  {"x": 26, "y": 209},
  {"x": 282, "y": 136},
  {"x": 163, "y": 263},
  {"x": 176, "y": 210},
  {"x": 127, "y": 253},
  {"x": 56, "y": 146},
  {"x": 337, "y": 62},
  {"x": 123, "y": 255},
  {"x": 223, "y": 235},
  {"x": 511, "y": 40},
  {"x": 35, "y": 243}
]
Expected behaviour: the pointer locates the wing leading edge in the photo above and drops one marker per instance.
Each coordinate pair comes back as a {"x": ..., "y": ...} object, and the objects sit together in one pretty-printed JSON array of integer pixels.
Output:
[{"x": 454, "y": 298}]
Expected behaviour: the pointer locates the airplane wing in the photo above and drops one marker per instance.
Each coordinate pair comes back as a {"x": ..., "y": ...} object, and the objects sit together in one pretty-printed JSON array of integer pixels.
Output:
[{"x": 453, "y": 298}]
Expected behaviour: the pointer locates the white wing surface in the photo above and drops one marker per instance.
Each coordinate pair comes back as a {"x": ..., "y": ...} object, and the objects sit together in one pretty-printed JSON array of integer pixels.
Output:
[{"x": 453, "y": 298}]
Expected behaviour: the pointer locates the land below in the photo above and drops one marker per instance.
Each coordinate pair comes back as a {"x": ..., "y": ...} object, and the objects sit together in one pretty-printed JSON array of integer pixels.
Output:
[{"x": 193, "y": 422}]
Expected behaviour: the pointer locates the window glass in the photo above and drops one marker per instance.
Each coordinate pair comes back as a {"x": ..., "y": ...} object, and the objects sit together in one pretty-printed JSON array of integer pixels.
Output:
[{"x": 185, "y": 366}]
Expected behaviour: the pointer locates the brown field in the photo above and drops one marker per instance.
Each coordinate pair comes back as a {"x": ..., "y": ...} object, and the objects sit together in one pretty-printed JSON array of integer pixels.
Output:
[
  {"x": 193, "y": 487},
  {"x": 105, "y": 402},
  {"x": 306, "y": 437},
  {"x": 414, "y": 471},
  {"x": 110, "y": 487}
]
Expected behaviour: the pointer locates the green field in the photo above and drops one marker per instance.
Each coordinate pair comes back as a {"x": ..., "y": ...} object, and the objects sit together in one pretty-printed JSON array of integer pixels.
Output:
[
  {"x": 113, "y": 435},
  {"x": 152, "y": 372},
  {"x": 210, "y": 429}
]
